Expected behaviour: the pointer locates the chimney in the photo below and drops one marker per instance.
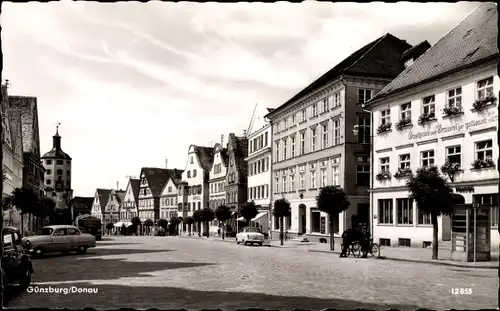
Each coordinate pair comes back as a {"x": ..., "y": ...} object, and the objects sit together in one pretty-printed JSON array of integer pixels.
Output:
[
  {"x": 117, "y": 186},
  {"x": 166, "y": 163},
  {"x": 222, "y": 140}
]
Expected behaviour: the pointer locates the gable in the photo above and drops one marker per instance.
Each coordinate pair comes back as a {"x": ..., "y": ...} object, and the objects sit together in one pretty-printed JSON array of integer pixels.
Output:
[
  {"x": 95, "y": 204},
  {"x": 258, "y": 120},
  {"x": 129, "y": 193},
  {"x": 169, "y": 186},
  {"x": 6, "y": 122}
]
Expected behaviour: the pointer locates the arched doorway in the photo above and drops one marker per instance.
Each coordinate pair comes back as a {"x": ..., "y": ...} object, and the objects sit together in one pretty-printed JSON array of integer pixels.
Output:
[{"x": 302, "y": 219}]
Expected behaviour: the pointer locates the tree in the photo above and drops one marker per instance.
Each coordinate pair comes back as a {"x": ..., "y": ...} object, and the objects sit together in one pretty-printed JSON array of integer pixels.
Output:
[
  {"x": 109, "y": 227},
  {"x": 189, "y": 221},
  {"x": 148, "y": 223},
  {"x": 207, "y": 215},
  {"x": 174, "y": 223},
  {"x": 47, "y": 209},
  {"x": 136, "y": 222},
  {"x": 163, "y": 223},
  {"x": 223, "y": 214},
  {"x": 198, "y": 218},
  {"x": 281, "y": 210},
  {"x": 249, "y": 211},
  {"x": 332, "y": 200},
  {"x": 433, "y": 196},
  {"x": 25, "y": 200}
]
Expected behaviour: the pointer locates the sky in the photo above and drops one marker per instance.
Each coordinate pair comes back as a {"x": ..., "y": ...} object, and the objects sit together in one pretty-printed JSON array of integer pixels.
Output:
[{"x": 133, "y": 84}]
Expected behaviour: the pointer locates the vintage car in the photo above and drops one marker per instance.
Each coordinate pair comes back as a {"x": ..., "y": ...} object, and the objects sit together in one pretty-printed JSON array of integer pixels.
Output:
[
  {"x": 16, "y": 265},
  {"x": 250, "y": 235},
  {"x": 59, "y": 238}
]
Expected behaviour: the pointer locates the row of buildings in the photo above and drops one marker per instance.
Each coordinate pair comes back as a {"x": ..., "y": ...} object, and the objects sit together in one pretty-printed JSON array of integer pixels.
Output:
[
  {"x": 23, "y": 165},
  {"x": 386, "y": 110}
]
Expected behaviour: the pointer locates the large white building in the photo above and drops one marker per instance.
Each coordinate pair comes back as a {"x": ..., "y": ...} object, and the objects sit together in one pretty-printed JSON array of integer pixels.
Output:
[
  {"x": 443, "y": 108},
  {"x": 259, "y": 165}
]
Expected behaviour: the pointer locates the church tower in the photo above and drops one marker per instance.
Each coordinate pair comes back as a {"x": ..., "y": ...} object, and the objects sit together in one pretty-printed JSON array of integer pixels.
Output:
[{"x": 57, "y": 179}]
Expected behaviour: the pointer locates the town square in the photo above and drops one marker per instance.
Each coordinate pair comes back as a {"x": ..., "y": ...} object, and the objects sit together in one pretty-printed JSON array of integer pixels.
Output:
[{"x": 229, "y": 156}]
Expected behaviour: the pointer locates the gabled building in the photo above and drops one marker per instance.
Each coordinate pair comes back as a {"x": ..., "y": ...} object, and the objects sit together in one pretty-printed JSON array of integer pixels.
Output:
[
  {"x": 112, "y": 208},
  {"x": 237, "y": 171},
  {"x": 259, "y": 166},
  {"x": 128, "y": 208},
  {"x": 313, "y": 143},
  {"x": 217, "y": 181},
  {"x": 101, "y": 197},
  {"x": 441, "y": 111},
  {"x": 195, "y": 179},
  {"x": 169, "y": 196},
  {"x": 80, "y": 206}
]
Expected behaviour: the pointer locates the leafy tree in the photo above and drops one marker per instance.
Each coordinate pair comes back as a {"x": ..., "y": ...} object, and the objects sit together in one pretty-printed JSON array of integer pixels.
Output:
[
  {"x": 433, "y": 196},
  {"x": 47, "y": 208},
  {"x": 281, "y": 210},
  {"x": 109, "y": 227},
  {"x": 174, "y": 223},
  {"x": 207, "y": 215},
  {"x": 136, "y": 222},
  {"x": 198, "y": 218},
  {"x": 223, "y": 214},
  {"x": 163, "y": 223},
  {"x": 148, "y": 223},
  {"x": 25, "y": 200},
  {"x": 249, "y": 211},
  {"x": 189, "y": 221},
  {"x": 332, "y": 200}
]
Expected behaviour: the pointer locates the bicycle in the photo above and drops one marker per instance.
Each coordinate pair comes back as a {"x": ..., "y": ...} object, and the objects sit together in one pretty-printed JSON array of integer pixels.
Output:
[{"x": 354, "y": 249}]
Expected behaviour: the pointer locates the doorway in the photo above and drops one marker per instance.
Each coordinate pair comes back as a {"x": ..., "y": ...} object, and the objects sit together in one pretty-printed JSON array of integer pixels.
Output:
[
  {"x": 363, "y": 215},
  {"x": 302, "y": 219}
]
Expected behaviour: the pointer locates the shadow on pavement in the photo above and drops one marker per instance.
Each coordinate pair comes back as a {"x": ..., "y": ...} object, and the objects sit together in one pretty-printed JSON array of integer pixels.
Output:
[
  {"x": 103, "y": 252},
  {"x": 112, "y": 244},
  {"x": 116, "y": 296}
]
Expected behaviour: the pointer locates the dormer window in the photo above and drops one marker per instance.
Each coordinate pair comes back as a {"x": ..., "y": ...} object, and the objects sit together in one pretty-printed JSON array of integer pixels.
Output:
[
  {"x": 189, "y": 174},
  {"x": 169, "y": 189},
  {"x": 364, "y": 95},
  {"x": 192, "y": 160},
  {"x": 194, "y": 173}
]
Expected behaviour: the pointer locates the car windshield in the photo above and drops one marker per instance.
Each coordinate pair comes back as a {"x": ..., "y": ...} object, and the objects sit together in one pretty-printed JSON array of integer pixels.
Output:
[
  {"x": 82, "y": 229},
  {"x": 252, "y": 230},
  {"x": 47, "y": 231}
]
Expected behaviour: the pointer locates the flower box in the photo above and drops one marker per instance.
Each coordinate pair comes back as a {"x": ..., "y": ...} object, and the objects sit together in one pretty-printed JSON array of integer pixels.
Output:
[
  {"x": 426, "y": 117},
  {"x": 481, "y": 103},
  {"x": 382, "y": 128},
  {"x": 384, "y": 175},
  {"x": 452, "y": 111},
  {"x": 403, "y": 123},
  {"x": 479, "y": 164},
  {"x": 402, "y": 173}
]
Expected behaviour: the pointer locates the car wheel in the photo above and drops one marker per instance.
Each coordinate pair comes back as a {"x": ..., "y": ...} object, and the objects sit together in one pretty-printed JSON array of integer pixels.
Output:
[
  {"x": 38, "y": 252},
  {"x": 82, "y": 249},
  {"x": 237, "y": 242}
]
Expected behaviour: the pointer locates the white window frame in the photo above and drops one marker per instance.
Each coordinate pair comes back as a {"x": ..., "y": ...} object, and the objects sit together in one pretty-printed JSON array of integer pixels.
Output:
[
  {"x": 302, "y": 181},
  {"x": 302, "y": 142},
  {"x": 324, "y": 177},
  {"x": 423, "y": 219},
  {"x": 292, "y": 182},
  {"x": 336, "y": 174},
  {"x": 429, "y": 104},
  {"x": 405, "y": 111},
  {"x": 285, "y": 121},
  {"x": 292, "y": 155},
  {"x": 454, "y": 97},
  {"x": 313, "y": 179},
  {"x": 427, "y": 158},
  {"x": 385, "y": 211},
  {"x": 336, "y": 99},
  {"x": 485, "y": 90},
  {"x": 285, "y": 141},
  {"x": 483, "y": 152},
  {"x": 385, "y": 116},
  {"x": 292, "y": 117},
  {"x": 324, "y": 128},
  {"x": 314, "y": 135},
  {"x": 336, "y": 132},
  {"x": 277, "y": 185},
  {"x": 303, "y": 115},
  {"x": 277, "y": 146},
  {"x": 454, "y": 151},
  {"x": 364, "y": 129},
  {"x": 284, "y": 183},
  {"x": 404, "y": 206},
  {"x": 385, "y": 164},
  {"x": 405, "y": 161},
  {"x": 364, "y": 93},
  {"x": 326, "y": 104},
  {"x": 314, "y": 110}
]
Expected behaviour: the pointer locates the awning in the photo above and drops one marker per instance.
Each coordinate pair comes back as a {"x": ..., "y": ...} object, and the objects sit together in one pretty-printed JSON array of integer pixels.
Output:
[
  {"x": 241, "y": 218},
  {"x": 259, "y": 215},
  {"x": 120, "y": 224}
]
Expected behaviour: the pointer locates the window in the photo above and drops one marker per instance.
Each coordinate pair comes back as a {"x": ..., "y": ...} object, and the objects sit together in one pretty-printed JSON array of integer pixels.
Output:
[
  {"x": 48, "y": 162},
  {"x": 336, "y": 171},
  {"x": 302, "y": 143},
  {"x": 336, "y": 132},
  {"x": 49, "y": 181},
  {"x": 428, "y": 104},
  {"x": 384, "y": 164},
  {"x": 484, "y": 150},
  {"x": 364, "y": 95},
  {"x": 292, "y": 182},
  {"x": 313, "y": 179},
  {"x": 326, "y": 104},
  {"x": 325, "y": 135},
  {"x": 194, "y": 173},
  {"x": 404, "y": 211},
  {"x": 59, "y": 172},
  {"x": 68, "y": 173},
  {"x": 336, "y": 99},
  {"x": 491, "y": 200},
  {"x": 423, "y": 219},
  {"x": 293, "y": 146},
  {"x": 277, "y": 158},
  {"x": 315, "y": 221},
  {"x": 286, "y": 123},
  {"x": 276, "y": 185},
  {"x": 363, "y": 171},
  {"x": 48, "y": 172},
  {"x": 454, "y": 155},
  {"x": 363, "y": 130},
  {"x": 404, "y": 161},
  {"x": 485, "y": 88},
  {"x": 314, "y": 110},
  {"x": 406, "y": 111},
  {"x": 292, "y": 120},
  {"x": 284, "y": 148},
  {"x": 59, "y": 162},
  {"x": 192, "y": 160},
  {"x": 385, "y": 211},
  {"x": 324, "y": 178},
  {"x": 189, "y": 174},
  {"x": 385, "y": 116},
  {"x": 313, "y": 139},
  {"x": 427, "y": 158},
  {"x": 455, "y": 97},
  {"x": 302, "y": 181},
  {"x": 303, "y": 115},
  {"x": 284, "y": 183},
  {"x": 265, "y": 139}
]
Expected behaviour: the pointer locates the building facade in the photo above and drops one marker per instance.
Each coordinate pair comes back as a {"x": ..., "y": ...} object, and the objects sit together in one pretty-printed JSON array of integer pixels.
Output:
[
  {"x": 237, "y": 172},
  {"x": 169, "y": 199},
  {"x": 314, "y": 144},
  {"x": 101, "y": 197},
  {"x": 112, "y": 208},
  {"x": 259, "y": 166},
  {"x": 57, "y": 166},
  {"x": 195, "y": 179},
  {"x": 128, "y": 208},
  {"x": 80, "y": 206},
  {"x": 429, "y": 124},
  {"x": 217, "y": 182},
  {"x": 152, "y": 181}
]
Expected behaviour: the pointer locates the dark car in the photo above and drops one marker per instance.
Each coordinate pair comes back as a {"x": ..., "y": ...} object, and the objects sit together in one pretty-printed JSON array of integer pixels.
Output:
[
  {"x": 16, "y": 264},
  {"x": 159, "y": 231}
]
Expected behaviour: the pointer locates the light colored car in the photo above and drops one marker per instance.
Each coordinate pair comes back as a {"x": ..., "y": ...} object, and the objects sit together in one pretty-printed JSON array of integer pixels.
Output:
[
  {"x": 250, "y": 235},
  {"x": 59, "y": 239}
]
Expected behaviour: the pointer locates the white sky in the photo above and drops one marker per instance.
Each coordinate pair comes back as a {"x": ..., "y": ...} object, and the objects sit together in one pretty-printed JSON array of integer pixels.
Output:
[{"x": 135, "y": 83}]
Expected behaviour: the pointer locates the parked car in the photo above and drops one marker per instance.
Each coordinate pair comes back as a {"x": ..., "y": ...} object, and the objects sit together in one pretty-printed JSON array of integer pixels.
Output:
[
  {"x": 16, "y": 265},
  {"x": 59, "y": 238},
  {"x": 159, "y": 231},
  {"x": 250, "y": 235}
]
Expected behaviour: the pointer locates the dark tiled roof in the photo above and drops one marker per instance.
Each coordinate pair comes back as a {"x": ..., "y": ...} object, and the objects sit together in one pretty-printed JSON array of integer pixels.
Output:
[
  {"x": 103, "y": 197},
  {"x": 473, "y": 40},
  {"x": 224, "y": 156},
  {"x": 206, "y": 157},
  {"x": 134, "y": 183},
  {"x": 379, "y": 58},
  {"x": 158, "y": 177},
  {"x": 82, "y": 203},
  {"x": 270, "y": 109},
  {"x": 56, "y": 151},
  {"x": 27, "y": 106},
  {"x": 416, "y": 51},
  {"x": 120, "y": 196}
]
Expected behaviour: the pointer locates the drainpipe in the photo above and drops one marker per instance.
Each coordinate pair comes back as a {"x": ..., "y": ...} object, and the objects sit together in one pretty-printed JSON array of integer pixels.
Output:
[
  {"x": 344, "y": 220},
  {"x": 372, "y": 161}
]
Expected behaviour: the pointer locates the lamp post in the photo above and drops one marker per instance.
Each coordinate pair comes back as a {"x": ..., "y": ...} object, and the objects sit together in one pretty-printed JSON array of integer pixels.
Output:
[
  {"x": 475, "y": 206},
  {"x": 355, "y": 131}
]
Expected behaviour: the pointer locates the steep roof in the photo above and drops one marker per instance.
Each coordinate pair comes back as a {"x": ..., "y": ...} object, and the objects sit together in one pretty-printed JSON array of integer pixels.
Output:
[
  {"x": 56, "y": 152},
  {"x": 27, "y": 106},
  {"x": 158, "y": 177},
  {"x": 134, "y": 184},
  {"x": 379, "y": 58},
  {"x": 416, "y": 51},
  {"x": 103, "y": 195},
  {"x": 120, "y": 196},
  {"x": 224, "y": 156},
  {"x": 472, "y": 41},
  {"x": 206, "y": 157}
]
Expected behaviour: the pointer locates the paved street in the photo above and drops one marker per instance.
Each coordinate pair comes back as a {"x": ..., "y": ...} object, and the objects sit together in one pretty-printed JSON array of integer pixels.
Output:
[{"x": 173, "y": 272}]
